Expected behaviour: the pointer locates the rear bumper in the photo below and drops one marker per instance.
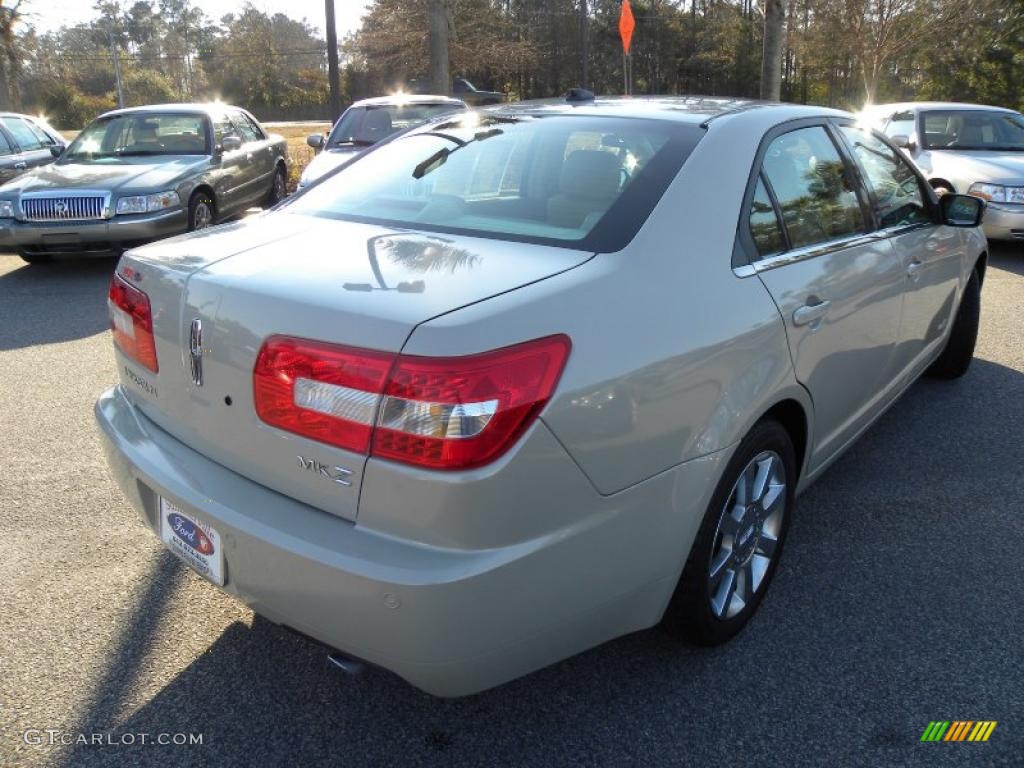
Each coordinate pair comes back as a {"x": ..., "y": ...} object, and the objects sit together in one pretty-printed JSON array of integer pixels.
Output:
[
  {"x": 92, "y": 236},
  {"x": 1003, "y": 222},
  {"x": 450, "y": 621}
]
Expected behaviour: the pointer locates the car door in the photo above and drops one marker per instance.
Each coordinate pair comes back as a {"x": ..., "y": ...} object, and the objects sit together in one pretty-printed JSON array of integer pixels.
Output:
[
  {"x": 930, "y": 254},
  {"x": 256, "y": 170},
  {"x": 11, "y": 164},
  {"x": 265, "y": 155},
  {"x": 230, "y": 178},
  {"x": 838, "y": 286},
  {"x": 31, "y": 150}
]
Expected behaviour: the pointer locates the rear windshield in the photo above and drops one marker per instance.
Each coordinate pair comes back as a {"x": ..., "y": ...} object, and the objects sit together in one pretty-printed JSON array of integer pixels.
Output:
[
  {"x": 368, "y": 125},
  {"x": 579, "y": 181},
  {"x": 974, "y": 130}
]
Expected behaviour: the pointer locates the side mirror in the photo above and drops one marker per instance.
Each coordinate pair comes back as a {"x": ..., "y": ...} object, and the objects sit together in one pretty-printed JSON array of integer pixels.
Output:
[
  {"x": 316, "y": 141},
  {"x": 962, "y": 210},
  {"x": 56, "y": 150},
  {"x": 903, "y": 142},
  {"x": 230, "y": 143}
]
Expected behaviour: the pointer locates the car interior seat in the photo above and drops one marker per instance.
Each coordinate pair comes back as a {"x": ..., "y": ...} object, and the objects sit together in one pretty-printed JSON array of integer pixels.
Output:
[
  {"x": 588, "y": 185},
  {"x": 376, "y": 125}
]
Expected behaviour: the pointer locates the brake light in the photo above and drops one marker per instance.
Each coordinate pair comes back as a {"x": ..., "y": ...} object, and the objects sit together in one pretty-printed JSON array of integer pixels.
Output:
[
  {"x": 131, "y": 322},
  {"x": 443, "y": 413},
  {"x": 322, "y": 391}
]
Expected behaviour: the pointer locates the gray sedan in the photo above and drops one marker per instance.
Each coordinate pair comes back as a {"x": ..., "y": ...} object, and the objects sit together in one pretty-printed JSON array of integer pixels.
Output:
[
  {"x": 26, "y": 142},
  {"x": 136, "y": 175},
  {"x": 523, "y": 380},
  {"x": 968, "y": 148}
]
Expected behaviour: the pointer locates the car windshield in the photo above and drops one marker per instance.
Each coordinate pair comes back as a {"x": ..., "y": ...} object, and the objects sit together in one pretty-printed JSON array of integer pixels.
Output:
[
  {"x": 581, "y": 181},
  {"x": 363, "y": 126},
  {"x": 974, "y": 129},
  {"x": 140, "y": 134}
]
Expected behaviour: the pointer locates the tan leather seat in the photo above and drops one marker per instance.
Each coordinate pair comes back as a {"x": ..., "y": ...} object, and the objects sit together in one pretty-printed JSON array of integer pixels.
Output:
[{"x": 589, "y": 185}]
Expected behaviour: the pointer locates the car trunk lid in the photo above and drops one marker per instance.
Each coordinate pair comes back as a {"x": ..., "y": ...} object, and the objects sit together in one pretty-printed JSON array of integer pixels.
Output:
[{"x": 353, "y": 284}]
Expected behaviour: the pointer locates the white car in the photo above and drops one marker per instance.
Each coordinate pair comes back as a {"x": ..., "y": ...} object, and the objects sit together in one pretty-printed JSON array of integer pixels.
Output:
[{"x": 966, "y": 148}]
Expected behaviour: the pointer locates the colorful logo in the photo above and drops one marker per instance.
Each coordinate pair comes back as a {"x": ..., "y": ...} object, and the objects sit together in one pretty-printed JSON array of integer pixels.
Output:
[
  {"x": 958, "y": 730},
  {"x": 191, "y": 534}
]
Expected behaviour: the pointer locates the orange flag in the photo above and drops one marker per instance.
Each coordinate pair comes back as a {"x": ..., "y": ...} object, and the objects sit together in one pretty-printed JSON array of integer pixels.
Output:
[{"x": 626, "y": 26}]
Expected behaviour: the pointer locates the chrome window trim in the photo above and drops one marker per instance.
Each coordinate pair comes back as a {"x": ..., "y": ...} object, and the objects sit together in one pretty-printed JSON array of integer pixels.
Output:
[{"x": 806, "y": 252}]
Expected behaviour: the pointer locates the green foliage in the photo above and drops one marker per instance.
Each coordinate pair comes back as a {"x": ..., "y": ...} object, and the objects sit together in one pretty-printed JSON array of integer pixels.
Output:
[{"x": 837, "y": 52}]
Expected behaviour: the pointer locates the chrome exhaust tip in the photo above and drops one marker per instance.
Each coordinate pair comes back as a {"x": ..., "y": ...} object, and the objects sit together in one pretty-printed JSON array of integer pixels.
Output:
[{"x": 346, "y": 664}]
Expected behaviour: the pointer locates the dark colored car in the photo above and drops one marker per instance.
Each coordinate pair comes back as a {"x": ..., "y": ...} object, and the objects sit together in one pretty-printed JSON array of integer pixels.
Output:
[
  {"x": 140, "y": 174},
  {"x": 367, "y": 122},
  {"x": 26, "y": 142}
]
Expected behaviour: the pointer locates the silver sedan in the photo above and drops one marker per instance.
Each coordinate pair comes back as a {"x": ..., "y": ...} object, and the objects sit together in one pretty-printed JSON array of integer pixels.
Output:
[{"x": 526, "y": 379}]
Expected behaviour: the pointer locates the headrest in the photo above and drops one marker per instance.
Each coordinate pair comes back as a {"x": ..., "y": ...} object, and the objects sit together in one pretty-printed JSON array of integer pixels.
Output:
[{"x": 591, "y": 174}]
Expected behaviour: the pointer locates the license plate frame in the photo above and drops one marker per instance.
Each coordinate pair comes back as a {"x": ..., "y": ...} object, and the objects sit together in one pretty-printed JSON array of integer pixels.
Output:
[{"x": 196, "y": 543}]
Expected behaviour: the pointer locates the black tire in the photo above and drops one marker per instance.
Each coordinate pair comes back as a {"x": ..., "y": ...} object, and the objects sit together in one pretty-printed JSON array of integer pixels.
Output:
[
  {"x": 690, "y": 614},
  {"x": 959, "y": 351},
  {"x": 202, "y": 211},
  {"x": 35, "y": 258},
  {"x": 278, "y": 189}
]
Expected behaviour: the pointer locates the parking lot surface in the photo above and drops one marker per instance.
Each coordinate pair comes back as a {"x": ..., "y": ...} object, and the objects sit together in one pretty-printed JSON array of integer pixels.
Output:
[{"x": 898, "y": 602}]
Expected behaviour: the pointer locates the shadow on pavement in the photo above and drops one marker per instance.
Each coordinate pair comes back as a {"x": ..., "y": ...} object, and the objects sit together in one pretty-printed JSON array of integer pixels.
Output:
[
  {"x": 1008, "y": 256},
  {"x": 891, "y": 608},
  {"x": 48, "y": 303}
]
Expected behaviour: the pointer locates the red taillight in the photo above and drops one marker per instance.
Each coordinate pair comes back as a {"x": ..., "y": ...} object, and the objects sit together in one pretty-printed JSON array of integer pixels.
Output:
[
  {"x": 321, "y": 391},
  {"x": 442, "y": 413},
  {"x": 461, "y": 412},
  {"x": 131, "y": 321}
]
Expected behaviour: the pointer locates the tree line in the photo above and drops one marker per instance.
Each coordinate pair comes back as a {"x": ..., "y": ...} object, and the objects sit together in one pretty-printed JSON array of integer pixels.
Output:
[{"x": 839, "y": 53}]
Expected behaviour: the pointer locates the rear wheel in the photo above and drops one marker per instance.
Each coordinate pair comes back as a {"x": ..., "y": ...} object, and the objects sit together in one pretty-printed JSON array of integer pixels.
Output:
[
  {"x": 740, "y": 541},
  {"x": 201, "y": 211},
  {"x": 35, "y": 258},
  {"x": 278, "y": 189},
  {"x": 956, "y": 357}
]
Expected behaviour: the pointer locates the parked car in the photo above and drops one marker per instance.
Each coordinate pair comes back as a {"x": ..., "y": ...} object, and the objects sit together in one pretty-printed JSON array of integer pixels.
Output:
[
  {"x": 367, "y": 122},
  {"x": 26, "y": 142},
  {"x": 523, "y": 380},
  {"x": 465, "y": 90},
  {"x": 136, "y": 175},
  {"x": 966, "y": 148}
]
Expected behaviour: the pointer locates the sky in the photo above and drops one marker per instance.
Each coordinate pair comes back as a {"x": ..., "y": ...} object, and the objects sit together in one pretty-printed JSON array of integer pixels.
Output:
[{"x": 48, "y": 15}]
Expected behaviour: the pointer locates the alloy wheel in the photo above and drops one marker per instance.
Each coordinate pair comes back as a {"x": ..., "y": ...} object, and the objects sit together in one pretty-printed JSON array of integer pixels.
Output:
[
  {"x": 747, "y": 536},
  {"x": 203, "y": 216}
]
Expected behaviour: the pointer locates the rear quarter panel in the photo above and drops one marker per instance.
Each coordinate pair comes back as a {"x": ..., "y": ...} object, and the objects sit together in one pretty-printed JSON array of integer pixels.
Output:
[{"x": 674, "y": 357}]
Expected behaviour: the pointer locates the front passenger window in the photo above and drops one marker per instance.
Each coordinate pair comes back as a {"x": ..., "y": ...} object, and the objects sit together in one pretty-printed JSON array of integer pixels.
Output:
[
  {"x": 897, "y": 188},
  {"x": 809, "y": 179}
]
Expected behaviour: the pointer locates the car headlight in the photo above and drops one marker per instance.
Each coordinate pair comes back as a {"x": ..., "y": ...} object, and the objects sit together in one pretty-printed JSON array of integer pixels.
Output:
[
  {"x": 6, "y": 209},
  {"x": 148, "y": 203},
  {"x": 997, "y": 193}
]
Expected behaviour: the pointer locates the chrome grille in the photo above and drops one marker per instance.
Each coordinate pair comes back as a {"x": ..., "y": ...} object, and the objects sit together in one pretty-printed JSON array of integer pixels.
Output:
[{"x": 65, "y": 208}]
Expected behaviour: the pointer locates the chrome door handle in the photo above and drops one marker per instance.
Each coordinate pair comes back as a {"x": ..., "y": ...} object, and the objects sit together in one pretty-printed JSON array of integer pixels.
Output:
[
  {"x": 914, "y": 270},
  {"x": 809, "y": 313},
  {"x": 249, "y": 157},
  {"x": 20, "y": 166}
]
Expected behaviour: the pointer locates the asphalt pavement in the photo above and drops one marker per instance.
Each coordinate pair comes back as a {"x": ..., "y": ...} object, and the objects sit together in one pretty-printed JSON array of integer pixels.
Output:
[{"x": 900, "y": 600}]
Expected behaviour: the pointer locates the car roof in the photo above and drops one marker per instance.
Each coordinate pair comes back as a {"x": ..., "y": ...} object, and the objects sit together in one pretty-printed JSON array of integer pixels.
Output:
[
  {"x": 685, "y": 109},
  {"x": 919, "y": 105},
  {"x": 408, "y": 98},
  {"x": 209, "y": 108}
]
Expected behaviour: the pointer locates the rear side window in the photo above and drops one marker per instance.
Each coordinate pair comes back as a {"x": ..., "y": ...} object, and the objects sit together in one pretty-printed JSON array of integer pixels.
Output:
[
  {"x": 44, "y": 138},
  {"x": 809, "y": 179},
  {"x": 572, "y": 180},
  {"x": 22, "y": 134},
  {"x": 5, "y": 146},
  {"x": 245, "y": 126},
  {"x": 896, "y": 187}
]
